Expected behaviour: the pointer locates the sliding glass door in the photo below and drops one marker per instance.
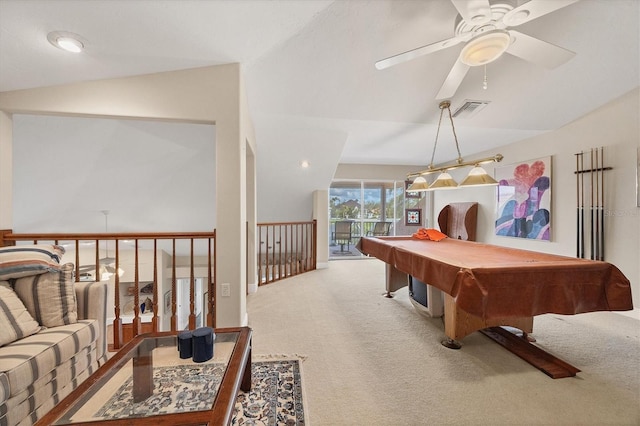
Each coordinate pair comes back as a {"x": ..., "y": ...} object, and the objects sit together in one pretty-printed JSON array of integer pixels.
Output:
[{"x": 358, "y": 208}]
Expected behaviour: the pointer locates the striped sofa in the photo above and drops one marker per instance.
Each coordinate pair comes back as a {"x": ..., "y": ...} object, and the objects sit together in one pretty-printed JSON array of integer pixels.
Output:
[{"x": 38, "y": 371}]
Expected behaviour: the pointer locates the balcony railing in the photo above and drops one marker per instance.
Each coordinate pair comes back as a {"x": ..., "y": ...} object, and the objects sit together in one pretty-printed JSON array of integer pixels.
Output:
[
  {"x": 135, "y": 263},
  {"x": 285, "y": 249},
  {"x": 141, "y": 259},
  {"x": 361, "y": 227}
]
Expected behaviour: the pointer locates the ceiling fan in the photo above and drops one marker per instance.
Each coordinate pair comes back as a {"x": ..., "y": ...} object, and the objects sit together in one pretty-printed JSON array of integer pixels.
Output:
[
  {"x": 106, "y": 265},
  {"x": 485, "y": 28}
]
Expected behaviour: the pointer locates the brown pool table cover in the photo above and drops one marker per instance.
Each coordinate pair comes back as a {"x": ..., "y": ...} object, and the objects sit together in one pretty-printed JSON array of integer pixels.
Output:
[{"x": 491, "y": 281}]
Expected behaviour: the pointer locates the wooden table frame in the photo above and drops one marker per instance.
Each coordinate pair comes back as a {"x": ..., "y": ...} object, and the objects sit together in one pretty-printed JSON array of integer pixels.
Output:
[
  {"x": 487, "y": 285},
  {"x": 237, "y": 377},
  {"x": 457, "y": 322}
]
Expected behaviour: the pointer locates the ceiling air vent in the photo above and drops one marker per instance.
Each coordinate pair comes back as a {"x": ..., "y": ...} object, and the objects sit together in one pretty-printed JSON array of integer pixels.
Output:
[{"x": 470, "y": 108}]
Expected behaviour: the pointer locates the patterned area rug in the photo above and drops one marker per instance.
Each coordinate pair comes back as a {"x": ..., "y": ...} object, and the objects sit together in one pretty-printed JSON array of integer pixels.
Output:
[{"x": 275, "y": 397}]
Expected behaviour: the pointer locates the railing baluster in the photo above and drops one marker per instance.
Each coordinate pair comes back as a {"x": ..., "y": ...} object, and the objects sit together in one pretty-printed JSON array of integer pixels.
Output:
[
  {"x": 268, "y": 272},
  {"x": 174, "y": 317},
  {"x": 297, "y": 250},
  {"x": 280, "y": 252},
  {"x": 137, "y": 322},
  {"x": 272, "y": 272},
  {"x": 192, "y": 293},
  {"x": 97, "y": 277},
  {"x": 287, "y": 249},
  {"x": 210, "y": 288},
  {"x": 309, "y": 248},
  {"x": 156, "y": 299},
  {"x": 117, "y": 322},
  {"x": 77, "y": 260},
  {"x": 212, "y": 294}
]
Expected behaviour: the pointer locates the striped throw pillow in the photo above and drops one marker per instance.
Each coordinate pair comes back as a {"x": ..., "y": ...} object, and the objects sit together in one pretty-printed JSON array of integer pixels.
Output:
[
  {"x": 15, "y": 320},
  {"x": 23, "y": 260},
  {"x": 50, "y": 298}
]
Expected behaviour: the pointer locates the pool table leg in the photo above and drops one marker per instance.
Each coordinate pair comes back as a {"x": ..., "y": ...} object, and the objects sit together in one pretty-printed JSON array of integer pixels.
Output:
[
  {"x": 394, "y": 280},
  {"x": 459, "y": 323},
  {"x": 451, "y": 343}
]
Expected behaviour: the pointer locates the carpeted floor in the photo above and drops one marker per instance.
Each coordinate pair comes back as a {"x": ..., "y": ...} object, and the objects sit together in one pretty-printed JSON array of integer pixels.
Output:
[{"x": 375, "y": 361}]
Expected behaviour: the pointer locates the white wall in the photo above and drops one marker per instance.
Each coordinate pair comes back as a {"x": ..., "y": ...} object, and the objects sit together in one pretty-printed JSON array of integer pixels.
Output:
[
  {"x": 320, "y": 215},
  {"x": 152, "y": 176},
  {"x": 374, "y": 172}
]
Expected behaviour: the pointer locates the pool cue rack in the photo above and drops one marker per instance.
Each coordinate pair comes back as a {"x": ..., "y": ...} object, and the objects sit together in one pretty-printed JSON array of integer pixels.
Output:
[{"x": 591, "y": 215}]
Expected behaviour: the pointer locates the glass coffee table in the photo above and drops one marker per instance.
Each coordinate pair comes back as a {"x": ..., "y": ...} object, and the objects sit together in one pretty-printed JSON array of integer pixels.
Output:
[{"x": 147, "y": 382}]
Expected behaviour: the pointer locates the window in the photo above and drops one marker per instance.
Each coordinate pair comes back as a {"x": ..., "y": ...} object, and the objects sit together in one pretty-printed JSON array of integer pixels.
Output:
[{"x": 364, "y": 204}]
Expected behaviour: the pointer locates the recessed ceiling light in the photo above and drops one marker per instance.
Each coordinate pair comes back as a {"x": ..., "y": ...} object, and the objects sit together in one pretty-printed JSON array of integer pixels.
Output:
[
  {"x": 67, "y": 41},
  {"x": 304, "y": 164}
]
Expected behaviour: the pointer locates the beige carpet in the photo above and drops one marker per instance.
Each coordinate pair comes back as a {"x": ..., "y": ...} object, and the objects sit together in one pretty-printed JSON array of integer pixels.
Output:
[{"x": 375, "y": 361}]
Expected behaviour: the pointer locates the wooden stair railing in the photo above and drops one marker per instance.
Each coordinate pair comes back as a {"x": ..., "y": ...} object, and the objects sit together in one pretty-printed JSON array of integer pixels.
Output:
[
  {"x": 7, "y": 238},
  {"x": 285, "y": 249}
]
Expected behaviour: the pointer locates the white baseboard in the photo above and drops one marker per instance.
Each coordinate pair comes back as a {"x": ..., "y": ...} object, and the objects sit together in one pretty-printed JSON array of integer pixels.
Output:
[
  {"x": 322, "y": 265},
  {"x": 252, "y": 288}
]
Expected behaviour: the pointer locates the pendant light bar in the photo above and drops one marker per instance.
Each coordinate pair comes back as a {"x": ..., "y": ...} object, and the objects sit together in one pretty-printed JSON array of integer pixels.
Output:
[
  {"x": 494, "y": 159},
  {"x": 477, "y": 177}
]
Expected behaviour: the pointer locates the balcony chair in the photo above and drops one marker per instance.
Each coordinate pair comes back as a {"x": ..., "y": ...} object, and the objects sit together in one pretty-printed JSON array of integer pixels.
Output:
[
  {"x": 342, "y": 234},
  {"x": 380, "y": 229}
]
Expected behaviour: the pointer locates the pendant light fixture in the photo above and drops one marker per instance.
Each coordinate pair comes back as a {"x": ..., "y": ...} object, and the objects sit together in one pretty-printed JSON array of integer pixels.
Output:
[{"x": 476, "y": 177}]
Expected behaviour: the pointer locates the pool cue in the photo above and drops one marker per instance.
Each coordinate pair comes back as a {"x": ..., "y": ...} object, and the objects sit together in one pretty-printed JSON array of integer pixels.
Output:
[
  {"x": 582, "y": 204},
  {"x": 596, "y": 244},
  {"x": 577, "y": 207},
  {"x": 602, "y": 205},
  {"x": 592, "y": 212}
]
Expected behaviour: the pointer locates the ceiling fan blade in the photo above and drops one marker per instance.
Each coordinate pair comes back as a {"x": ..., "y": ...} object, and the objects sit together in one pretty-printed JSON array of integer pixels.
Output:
[
  {"x": 474, "y": 12},
  {"x": 453, "y": 80},
  {"x": 109, "y": 268},
  {"x": 420, "y": 51},
  {"x": 106, "y": 262},
  {"x": 532, "y": 10},
  {"x": 538, "y": 51}
]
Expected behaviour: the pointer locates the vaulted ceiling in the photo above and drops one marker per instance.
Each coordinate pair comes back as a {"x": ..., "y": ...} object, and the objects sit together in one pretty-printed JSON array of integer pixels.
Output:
[{"x": 312, "y": 87}]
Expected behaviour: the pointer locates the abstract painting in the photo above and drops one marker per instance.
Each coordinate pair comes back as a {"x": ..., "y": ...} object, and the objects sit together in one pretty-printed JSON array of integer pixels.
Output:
[{"x": 524, "y": 200}]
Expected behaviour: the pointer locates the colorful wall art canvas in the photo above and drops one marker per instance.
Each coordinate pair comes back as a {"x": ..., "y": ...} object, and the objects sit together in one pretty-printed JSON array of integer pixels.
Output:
[{"x": 524, "y": 200}]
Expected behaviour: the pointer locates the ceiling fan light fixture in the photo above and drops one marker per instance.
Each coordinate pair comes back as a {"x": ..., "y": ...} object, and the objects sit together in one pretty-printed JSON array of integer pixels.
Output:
[
  {"x": 478, "y": 177},
  {"x": 485, "y": 48}
]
